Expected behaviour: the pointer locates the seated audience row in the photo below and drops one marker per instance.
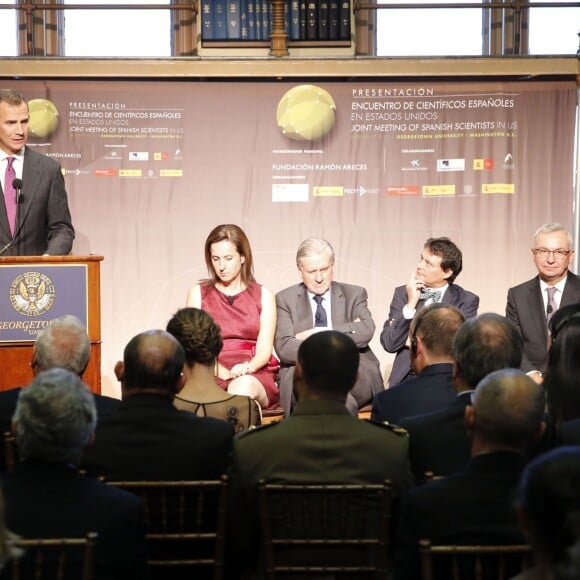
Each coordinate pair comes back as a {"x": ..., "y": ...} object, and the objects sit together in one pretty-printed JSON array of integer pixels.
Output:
[{"x": 148, "y": 438}]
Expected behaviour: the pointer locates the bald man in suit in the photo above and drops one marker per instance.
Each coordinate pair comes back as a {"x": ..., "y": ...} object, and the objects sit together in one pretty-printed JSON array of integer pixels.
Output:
[
  {"x": 343, "y": 308},
  {"x": 528, "y": 304},
  {"x": 42, "y": 221}
]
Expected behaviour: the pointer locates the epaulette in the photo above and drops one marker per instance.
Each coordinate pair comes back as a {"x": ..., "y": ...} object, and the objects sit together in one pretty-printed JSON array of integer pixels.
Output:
[
  {"x": 258, "y": 428},
  {"x": 390, "y": 427}
]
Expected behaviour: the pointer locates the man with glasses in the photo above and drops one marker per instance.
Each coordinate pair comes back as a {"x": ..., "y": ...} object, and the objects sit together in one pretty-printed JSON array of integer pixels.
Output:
[
  {"x": 318, "y": 303},
  {"x": 531, "y": 304}
]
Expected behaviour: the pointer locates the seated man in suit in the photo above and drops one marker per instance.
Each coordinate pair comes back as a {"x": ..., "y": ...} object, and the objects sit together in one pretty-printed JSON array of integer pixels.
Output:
[
  {"x": 64, "y": 344},
  {"x": 319, "y": 443},
  {"x": 438, "y": 440},
  {"x": 147, "y": 438},
  {"x": 531, "y": 305},
  {"x": 45, "y": 495},
  {"x": 431, "y": 338},
  {"x": 475, "y": 505},
  {"x": 319, "y": 303},
  {"x": 433, "y": 280}
]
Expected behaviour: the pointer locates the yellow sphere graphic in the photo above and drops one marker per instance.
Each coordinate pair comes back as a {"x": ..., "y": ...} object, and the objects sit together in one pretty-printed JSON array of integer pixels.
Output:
[
  {"x": 306, "y": 113},
  {"x": 44, "y": 118}
]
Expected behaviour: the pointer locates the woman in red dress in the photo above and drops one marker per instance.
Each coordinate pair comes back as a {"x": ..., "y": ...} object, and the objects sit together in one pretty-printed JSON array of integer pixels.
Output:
[{"x": 245, "y": 312}]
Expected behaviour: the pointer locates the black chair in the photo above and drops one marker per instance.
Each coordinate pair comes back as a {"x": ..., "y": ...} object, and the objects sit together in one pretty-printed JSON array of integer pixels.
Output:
[
  {"x": 330, "y": 530},
  {"x": 458, "y": 562},
  {"x": 10, "y": 451},
  {"x": 53, "y": 559},
  {"x": 186, "y": 523}
]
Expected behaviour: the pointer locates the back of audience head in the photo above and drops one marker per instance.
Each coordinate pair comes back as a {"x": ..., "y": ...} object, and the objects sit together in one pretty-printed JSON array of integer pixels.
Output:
[
  {"x": 152, "y": 362},
  {"x": 64, "y": 344},
  {"x": 548, "y": 503},
  {"x": 484, "y": 344},
  {"x": 55, "y": 418},
  {"x": 435, "y": 326},
  {"x": 561, "y": 377},
  {"x": 198, "y": 334},
  {"x": 327, "y": 366},
  {"x": 507, "y": 411}
]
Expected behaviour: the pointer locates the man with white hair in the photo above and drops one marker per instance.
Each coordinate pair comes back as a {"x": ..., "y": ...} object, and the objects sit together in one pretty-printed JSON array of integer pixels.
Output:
[
  {"x": 531, "y": 305},
  {"x": 47, "y": 497},
  {"x": 319, "y": 303}
]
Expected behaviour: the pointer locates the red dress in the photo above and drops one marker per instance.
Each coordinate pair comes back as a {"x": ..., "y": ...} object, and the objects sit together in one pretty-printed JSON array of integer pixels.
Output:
[{"x": 238, "y": 317}]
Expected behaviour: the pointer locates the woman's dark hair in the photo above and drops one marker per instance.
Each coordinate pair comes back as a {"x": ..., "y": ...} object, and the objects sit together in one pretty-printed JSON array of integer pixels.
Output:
[
  {"x": 562, "y": 377},
  {"x": 198, "y": 334}
]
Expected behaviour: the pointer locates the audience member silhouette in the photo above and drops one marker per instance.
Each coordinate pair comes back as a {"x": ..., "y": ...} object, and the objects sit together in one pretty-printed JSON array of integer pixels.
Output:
[
  {"x": 438, "y": 441},
  {"x": 148, "y": 438},
  {"x": 201, "y": 340},
  {"x": 475, "y": 505},
  {"x": 548, "y": 504},
  {"x": 46, "y": 496}
]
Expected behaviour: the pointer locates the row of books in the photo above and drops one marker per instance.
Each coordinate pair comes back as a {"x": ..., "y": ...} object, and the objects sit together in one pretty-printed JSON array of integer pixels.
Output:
[{"x": 252, "y": 19}]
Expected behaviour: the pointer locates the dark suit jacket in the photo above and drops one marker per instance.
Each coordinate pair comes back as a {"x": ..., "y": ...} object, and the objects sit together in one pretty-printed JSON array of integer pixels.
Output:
[
  {"x": 431, "y": 390},
  {"x": 43, "y": 223},
  {"x": 348, "y": 303},
  {"x": 438, "y": 441},
  {"x": 473, "y": 506},
  {"x": 8, "y": 399},
  {"x": 45, "y": 500},
  {"x": 525, "y": 308},
  {"x": 147, "y": 438},
  {"x": 319, "y": 443},
  {"x": 396, "y": 328}
]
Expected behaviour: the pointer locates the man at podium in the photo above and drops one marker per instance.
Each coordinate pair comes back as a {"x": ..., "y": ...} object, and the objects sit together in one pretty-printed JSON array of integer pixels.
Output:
[{"x": 34, "y": 214}]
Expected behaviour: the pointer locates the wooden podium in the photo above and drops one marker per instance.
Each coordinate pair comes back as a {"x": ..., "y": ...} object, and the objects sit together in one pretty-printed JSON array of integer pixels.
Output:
[{"x": 33, "y": 291}]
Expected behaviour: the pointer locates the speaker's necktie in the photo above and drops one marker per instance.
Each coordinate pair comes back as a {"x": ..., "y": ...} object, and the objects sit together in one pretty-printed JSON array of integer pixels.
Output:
[
  {"x": 10, "y": 193},
  {"x": 320, "y": 314}
]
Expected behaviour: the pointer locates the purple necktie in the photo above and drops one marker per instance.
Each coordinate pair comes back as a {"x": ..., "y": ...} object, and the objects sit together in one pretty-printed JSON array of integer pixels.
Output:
[
  {"x": 552, "y": 306},
  {"x": 10, "y": 193}
]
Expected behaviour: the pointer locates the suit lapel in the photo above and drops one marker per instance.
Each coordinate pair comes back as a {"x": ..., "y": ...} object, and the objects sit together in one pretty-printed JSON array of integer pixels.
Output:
[
  {"x": 304, "y": 310},
  {"x": 536, "y": 309},
  {"x": 571, "y": 294},
  {"x": 30, "y": 177},
  {"x": 337, "y": 304}
]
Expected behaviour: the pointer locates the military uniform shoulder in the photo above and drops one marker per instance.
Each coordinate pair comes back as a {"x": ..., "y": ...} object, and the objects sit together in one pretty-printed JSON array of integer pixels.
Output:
[
  {"x": 258, "y": 429},
  {"x": 390, "y": 427}
]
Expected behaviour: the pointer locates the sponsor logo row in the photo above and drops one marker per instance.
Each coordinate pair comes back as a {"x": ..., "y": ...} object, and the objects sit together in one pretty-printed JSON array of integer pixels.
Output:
[
  {"x": 300, "y": 192},
  {"x": 481, "y": 164}
]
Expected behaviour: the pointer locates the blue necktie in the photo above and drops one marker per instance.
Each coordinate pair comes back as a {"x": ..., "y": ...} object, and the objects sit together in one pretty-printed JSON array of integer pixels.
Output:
[{"x": 320, "y": 314}]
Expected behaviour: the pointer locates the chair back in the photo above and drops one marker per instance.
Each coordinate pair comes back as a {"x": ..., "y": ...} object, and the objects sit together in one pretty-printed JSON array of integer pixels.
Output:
[
  {"x": 53, "y": 559},
  {"x": 453, "y": 562},
  {"x": 324, "y": 530},
  {"x": 185, "y": 523}
]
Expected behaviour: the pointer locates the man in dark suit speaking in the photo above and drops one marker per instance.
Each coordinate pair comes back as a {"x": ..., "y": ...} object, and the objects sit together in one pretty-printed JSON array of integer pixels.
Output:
[
  {"x": 432, "y": 280},
  {"x": 34, "y": 214},
  {"x": 531, "y": 304}
]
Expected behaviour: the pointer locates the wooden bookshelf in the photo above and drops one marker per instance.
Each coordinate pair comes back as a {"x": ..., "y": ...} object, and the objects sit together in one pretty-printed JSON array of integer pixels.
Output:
[{"x": 279, "y": 39}]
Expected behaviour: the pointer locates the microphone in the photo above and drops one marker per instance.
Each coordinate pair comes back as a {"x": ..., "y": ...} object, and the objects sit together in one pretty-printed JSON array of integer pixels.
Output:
[
  {"x": 549, "y": 309},
  {"x": 17, "y": 185},
  {"x": 231, "y": 299}
]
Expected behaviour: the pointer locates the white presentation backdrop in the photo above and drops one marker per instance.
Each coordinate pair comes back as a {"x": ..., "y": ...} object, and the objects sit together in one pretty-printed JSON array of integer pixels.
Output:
[{"x": 374, "y": 167}]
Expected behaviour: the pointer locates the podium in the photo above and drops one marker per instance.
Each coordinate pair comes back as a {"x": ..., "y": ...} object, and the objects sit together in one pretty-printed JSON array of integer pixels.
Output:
[{"x": 34, "y": 290}]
